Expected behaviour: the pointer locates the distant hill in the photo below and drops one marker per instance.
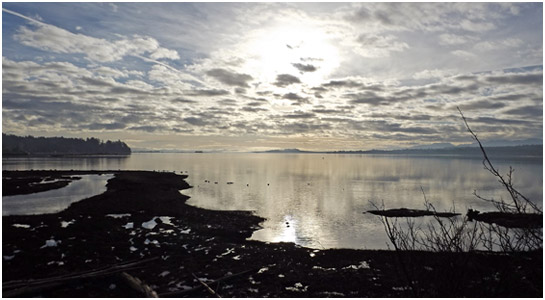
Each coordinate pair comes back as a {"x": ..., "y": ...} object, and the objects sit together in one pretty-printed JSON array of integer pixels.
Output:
[
  {"x": 284, "y": 151},
  {"x": 13, "y": 145},
  {"x": 465, "y": 151},
  {"x": 434, "y": 146}
]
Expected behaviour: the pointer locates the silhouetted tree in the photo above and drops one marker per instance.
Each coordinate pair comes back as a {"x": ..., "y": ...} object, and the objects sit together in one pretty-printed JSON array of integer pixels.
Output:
[{"x": 29, "y": 145}]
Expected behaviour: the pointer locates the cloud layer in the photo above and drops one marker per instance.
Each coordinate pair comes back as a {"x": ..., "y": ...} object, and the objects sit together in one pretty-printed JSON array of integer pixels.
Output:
[{"x": 355, "y": 76}]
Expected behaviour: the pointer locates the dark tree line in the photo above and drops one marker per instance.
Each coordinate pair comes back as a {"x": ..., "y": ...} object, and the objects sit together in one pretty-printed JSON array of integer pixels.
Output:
[{"x": 29, "y": 145}]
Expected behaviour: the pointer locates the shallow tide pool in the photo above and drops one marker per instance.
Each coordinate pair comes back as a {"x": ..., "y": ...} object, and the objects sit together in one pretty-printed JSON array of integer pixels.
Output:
[{"x": 54, "y": 201}]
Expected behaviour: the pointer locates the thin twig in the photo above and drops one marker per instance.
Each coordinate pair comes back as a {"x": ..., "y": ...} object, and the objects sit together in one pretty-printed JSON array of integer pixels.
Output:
[{"x": 210, "y": 290}]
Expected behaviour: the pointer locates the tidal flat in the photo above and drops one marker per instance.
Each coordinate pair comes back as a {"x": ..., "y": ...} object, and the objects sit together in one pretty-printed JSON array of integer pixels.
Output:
[{"x": 142, "y": 228}]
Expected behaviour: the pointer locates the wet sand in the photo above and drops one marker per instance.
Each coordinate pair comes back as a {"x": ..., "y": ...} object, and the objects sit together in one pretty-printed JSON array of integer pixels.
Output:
[{"x": 143, "y": 216}]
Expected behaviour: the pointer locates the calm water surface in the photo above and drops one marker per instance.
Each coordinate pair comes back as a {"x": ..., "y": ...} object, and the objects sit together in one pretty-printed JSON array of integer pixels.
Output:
[
  {"x": 56, "y": 200},
  {"x": 317, "y": 200}
]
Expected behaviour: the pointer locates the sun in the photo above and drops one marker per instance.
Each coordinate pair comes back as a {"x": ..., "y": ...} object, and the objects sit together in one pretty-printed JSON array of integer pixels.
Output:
[{"x": 302, "y": 51}]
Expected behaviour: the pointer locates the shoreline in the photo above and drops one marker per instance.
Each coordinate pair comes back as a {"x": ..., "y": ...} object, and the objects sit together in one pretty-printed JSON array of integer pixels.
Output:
[{"x": 143, "y": 215}]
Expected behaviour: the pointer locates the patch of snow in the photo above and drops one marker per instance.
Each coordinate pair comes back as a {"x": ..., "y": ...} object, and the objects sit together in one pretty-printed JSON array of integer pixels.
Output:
[
  {"x": 297, "y": 288},
  {"x": 253, "y": 290},
  {"x": 187, "y": 231},
  {"x": 262, "y": 270},
  {"x": 323, "y": 269},
  {"x": 164, "y": 273},
  {"x": 132, "y": 248},
  {"x": 8, "y": 257},
  {"x": 281, "y": 275},
  {"x": 65, "y": 224},
  {"x": 333, "y": 294},
  {"x": 118, "y": 216},
  {"x": 228, "y": 251},
  {"x": 154, "y": 242},
  {"x": 88, "y": 261},
  {"x": 129, "y": 225},
  {"x": 362, "y": 265},
  {"x": 238, "y": 257},
  {"x": 312, "y": 254},
  {"x": 166, "y": 220},
  {"x": 21, "y": 225},
  {"x": 149, "y": 224},
  {"x": 50, "y": 243},
  {"x": 112, "y": 286}
]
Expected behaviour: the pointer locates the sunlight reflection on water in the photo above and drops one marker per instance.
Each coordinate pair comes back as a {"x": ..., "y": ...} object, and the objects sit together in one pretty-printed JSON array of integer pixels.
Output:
[{"x": 323, "y": 197}]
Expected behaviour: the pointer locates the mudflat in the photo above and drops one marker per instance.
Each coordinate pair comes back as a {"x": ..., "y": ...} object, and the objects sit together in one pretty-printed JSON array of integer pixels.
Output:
[{"x": 140, "y": 237}]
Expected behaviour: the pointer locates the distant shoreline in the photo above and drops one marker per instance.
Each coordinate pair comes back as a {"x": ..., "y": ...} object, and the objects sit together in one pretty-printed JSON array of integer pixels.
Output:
[{"x": 63, "y": 155}]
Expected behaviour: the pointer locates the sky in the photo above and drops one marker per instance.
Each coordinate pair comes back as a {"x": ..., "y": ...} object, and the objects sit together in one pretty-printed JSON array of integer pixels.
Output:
[{"x": 260, "y": 76}]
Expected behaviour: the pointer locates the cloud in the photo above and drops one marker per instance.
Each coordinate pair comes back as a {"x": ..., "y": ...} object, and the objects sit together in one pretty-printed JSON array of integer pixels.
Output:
[
  {"x": 209, "y": 92},
  {"x": 227, "y": 102},
  {"x": 304, "y": 67},
  {"x": 106, "y": 126},
  {"x": 476, "y": 25},
  {"x": 57, "y": 40},
  {"x": 299, "y": 115},
  {"x": 253, "y": 109},
  {"x": 454, "y": 39},
  {"x": 402, "y": 69},
  {"x": 283, "y": 80},
  {"x": 523, "y": 79},
  {"x": 480, "y": 104},
  {"x": 230, "y": 78},
  {"x": 343, "y": 84},
  {"x": 529, "y": 111},
  {"x": 183, "y": 100},
  {"x": 196, "y": 121},
  {"x": 298, "y": 100},
  {"x": 373, "y": 45},
  {"x": 165, "y": 53},
  {"x": 463, "y": 54}
]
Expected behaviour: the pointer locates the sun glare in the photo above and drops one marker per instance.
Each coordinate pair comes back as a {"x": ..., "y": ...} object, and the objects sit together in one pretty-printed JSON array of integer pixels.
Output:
[{"x": 295, "y": 51}]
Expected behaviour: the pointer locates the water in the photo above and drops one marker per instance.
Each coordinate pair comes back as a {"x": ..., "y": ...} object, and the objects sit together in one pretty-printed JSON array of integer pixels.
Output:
[
  {"x": 318, "y": 200},
  {"x": 56, "y": 200}
]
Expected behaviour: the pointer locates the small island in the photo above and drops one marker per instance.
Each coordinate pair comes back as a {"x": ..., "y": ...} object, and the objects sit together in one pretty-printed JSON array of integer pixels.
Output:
[{"x": 13, "y": 145}]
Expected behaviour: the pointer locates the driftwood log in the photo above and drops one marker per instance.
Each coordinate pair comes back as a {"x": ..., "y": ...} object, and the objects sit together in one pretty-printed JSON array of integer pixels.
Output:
[
  {"x": 22, "y": 287},
  {"x": 407, "y": 212},
  {"x": 139, "y": 286},
  {"x": 508, "y": 220}
]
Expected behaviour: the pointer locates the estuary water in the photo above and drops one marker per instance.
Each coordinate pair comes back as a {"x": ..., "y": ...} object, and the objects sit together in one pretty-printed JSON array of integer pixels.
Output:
[
  {"x": 318, "y": 200},
  {"x": 56, "y": 200}
]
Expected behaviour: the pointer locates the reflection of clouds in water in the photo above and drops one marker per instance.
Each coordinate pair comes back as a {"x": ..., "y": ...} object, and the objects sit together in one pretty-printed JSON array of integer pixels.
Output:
[
  {"x": 56, "y": 200},
  {"x": 326, "y": 197}
]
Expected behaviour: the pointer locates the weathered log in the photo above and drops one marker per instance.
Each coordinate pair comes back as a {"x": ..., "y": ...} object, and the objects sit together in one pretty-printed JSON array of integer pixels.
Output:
[
  {"x": 137, "y": 284},
  {"x": 508, "y": 220},
  {"x": 407, "y": 212},
  {"x": 22, "y": 287}
]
